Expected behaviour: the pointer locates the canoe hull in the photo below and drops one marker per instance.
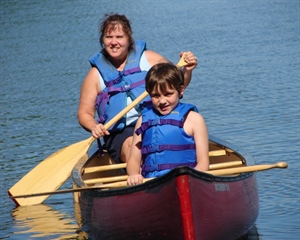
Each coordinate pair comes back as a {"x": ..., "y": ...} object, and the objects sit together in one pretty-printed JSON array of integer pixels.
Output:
[{"x": 183, "y": 204}]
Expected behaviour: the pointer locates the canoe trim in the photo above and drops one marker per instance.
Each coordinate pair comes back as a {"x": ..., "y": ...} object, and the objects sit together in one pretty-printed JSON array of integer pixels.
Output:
[
  {"x": 158, "y": 181},
  {"x": 185, "y": 203}
]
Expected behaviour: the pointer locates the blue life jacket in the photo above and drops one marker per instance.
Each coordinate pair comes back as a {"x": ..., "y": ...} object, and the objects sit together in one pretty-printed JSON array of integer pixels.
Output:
[
  {"x": 119, "y": 85},
  {"x": 165, "y": 144}
]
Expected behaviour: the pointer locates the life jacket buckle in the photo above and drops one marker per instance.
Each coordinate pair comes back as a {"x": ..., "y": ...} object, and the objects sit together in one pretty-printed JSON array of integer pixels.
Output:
[
  {"x": 126, "y": 88},
  {"x": 154, "y": 122}
]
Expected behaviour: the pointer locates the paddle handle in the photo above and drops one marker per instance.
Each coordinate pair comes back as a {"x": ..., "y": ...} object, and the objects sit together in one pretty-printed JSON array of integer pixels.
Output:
[
  {"x": 181, "y": 62},
  {"x": 254, "y": 168}
]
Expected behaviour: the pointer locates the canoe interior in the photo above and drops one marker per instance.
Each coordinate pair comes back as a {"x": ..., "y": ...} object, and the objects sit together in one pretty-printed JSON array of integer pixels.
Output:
[{"x": 103, "y": 160}]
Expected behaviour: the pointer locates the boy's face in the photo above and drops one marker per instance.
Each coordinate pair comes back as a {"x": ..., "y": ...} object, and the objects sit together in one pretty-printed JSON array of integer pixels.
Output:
[{"x": 165, "y": 102}]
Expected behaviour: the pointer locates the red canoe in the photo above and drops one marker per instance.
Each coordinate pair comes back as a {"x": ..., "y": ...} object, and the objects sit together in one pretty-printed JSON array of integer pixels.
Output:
[{"x": 183, "y": 204}]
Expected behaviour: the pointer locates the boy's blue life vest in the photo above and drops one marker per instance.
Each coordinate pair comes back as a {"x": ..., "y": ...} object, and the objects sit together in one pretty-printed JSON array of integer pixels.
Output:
[
  {"x": 119, "y": 85},
  {"x": 165, "y": 145}
]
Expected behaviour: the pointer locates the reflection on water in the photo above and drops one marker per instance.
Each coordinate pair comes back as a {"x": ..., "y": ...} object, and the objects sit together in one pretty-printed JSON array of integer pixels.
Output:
[
  {"x": 41, "y": 221},
  {"x": 252, "y": 234}
]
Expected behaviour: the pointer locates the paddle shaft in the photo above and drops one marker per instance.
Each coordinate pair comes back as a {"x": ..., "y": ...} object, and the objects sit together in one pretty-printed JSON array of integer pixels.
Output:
[
  {"x": 104, "y": 186},
  {"x": 126, "y": 110},
  {"x": 254, "y": 168},
  {"x": 223, "y": 172},
  {"x": 116, "y": 118}
]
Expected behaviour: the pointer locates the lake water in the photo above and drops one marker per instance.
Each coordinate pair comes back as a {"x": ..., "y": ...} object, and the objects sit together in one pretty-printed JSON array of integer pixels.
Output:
[{"x": 246, "y": 86}]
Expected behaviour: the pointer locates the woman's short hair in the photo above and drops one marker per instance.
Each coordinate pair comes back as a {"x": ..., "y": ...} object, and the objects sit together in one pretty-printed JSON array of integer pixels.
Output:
[{"x": 110, "y": 22}]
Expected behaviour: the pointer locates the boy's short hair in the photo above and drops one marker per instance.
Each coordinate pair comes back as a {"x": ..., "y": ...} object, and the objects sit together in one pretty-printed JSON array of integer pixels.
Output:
[{"x": 164, "y": 75}]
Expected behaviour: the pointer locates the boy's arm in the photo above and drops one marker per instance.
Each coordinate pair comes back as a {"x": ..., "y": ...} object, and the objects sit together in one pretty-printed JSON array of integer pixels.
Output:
[
  {"x": 201, "y": 140},
  {"x": 133, "y": 166}
]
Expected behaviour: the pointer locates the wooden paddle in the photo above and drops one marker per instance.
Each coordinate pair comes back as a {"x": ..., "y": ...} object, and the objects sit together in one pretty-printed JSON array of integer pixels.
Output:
[
  {"x": 53, "y": 171},
  {"x": 229, "y": 169},
  {"x": 223, "y": 172}
]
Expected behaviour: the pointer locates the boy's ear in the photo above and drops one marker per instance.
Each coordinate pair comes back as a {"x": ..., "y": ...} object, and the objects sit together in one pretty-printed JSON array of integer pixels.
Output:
[{"x": 181, "y": 92}]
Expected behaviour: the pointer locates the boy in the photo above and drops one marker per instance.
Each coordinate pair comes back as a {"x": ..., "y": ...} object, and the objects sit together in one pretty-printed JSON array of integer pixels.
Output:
[{"x": 170, "y": 134}]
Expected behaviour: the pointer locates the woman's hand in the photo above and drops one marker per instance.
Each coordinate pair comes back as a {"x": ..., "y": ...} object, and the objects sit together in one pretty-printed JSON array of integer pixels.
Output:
[
  {"x": 99, "y": 131},
  {"x": 135, "y": 179},
  {"x": 191, "y": 59}
]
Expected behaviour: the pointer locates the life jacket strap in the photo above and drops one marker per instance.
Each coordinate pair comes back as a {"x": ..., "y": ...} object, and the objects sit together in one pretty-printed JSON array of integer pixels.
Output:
[
  {"x": 121, "y": 75},
  {"x": 101, "y": 151},
  {"x": 113, "y": 90},
  {"x": 159, "y": 167},
  {"x": 102, "y": 118},
  {"x": 154, "y": 122},
  {"x": 105, "y": 95},
  {"x": 172, "y": 147}
]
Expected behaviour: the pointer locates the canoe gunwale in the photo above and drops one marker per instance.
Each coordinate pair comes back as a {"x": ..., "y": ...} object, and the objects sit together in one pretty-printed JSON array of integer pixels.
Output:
[
  {"x": 79, "y": 183},
  {"x": 167, "y": 177}
]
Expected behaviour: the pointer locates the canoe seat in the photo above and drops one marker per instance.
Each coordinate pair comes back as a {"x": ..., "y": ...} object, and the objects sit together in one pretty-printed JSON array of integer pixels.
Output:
[{"x": 213, "y": 153}]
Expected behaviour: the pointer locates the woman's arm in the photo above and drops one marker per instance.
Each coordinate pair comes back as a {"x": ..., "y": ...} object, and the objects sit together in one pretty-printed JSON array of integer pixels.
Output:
[
  {"x": 191, "y": 59},
  {"x": 86, "y": 110},
  {"x": 154, "y": 58}
]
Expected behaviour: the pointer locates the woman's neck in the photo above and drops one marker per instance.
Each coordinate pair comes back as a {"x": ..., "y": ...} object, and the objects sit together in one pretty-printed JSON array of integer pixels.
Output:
[{"x": 119, "y": 63}]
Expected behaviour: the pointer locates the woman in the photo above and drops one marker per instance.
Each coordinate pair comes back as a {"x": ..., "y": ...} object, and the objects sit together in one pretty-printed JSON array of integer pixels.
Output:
[
  {"x": 116, "y": 79},
  {"x": 168, "y": 134}
]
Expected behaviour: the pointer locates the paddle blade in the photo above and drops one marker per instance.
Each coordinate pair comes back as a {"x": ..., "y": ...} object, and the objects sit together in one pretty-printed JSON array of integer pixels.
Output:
[{"x": 50, "y": 174}]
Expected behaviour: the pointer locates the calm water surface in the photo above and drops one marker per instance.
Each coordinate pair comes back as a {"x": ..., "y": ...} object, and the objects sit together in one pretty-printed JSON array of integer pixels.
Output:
[{"x": 246, "y": 86}]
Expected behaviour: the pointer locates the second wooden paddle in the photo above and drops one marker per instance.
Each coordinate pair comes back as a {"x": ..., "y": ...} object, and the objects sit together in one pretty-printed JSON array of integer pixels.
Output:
[{"x": 121, "y": 184}]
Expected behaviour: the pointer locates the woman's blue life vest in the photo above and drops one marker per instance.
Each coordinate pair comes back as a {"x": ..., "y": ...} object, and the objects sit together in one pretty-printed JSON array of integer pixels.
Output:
[
  {"x": 165, "y": 144},
  {"x": 119, "y": 85}
]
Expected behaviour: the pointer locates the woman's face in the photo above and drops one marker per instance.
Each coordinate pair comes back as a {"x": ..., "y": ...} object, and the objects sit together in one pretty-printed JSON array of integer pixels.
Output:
[{"x": 116, "y": 43}]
